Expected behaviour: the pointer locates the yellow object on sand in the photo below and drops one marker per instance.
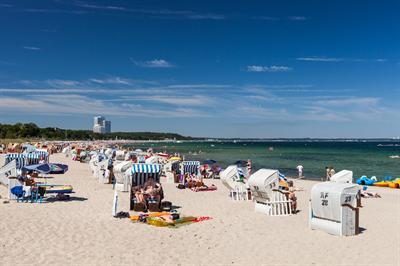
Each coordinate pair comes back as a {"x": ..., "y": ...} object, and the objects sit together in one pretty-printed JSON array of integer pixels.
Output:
[
  {"x": 153, "y": 214},
  {"x": 159, "y": 222},
  {"x": 393, "y": 185},
  {"x": 381, "y": 184}
]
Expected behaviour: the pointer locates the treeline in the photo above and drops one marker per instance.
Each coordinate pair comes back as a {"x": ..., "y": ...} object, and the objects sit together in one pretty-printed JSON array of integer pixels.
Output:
[{"x": 32, "y": 131}]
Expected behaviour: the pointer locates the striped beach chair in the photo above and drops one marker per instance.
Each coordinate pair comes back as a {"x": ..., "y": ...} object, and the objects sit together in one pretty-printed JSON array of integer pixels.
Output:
[
  {"x": 20, "y": 159},
  {"x": 140, "y": 173},
  {"x": 32, "y": 158},
  {"x": 191, "y": 167},
  {"x": 42, "y": 154}
]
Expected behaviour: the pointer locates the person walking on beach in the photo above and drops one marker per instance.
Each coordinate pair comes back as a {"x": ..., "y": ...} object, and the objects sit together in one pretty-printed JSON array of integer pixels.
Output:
[{"x": 300, "y": 170}]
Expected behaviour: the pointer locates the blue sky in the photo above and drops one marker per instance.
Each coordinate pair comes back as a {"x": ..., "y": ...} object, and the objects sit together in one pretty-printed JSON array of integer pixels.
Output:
[{"x": 204, "y": 68}]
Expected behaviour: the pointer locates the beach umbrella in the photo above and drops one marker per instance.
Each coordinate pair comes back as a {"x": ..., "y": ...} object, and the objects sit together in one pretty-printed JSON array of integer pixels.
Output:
[
  {"x": 209, "y": 161},
  {"x": 58, "y": 168},
  {"x": 43, "y": 168},
  {"x": 47, "y": 168}
]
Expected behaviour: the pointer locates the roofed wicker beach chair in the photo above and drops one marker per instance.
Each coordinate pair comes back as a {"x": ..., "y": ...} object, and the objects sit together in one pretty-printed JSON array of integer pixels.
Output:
[
  {"x": 140, "y": 174},
  {"x": 233, "y": 178},
  {"x": 269, "y": 199},
  {"x": 190, "y": 167}
]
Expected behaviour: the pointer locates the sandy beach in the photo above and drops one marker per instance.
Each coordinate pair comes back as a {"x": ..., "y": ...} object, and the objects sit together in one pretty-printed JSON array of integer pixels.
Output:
[{"x": 82, "y": 231}]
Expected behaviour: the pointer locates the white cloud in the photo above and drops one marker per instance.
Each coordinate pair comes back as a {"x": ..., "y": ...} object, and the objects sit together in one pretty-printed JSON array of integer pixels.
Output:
[
  {"x": 255, "y": 68},
  {"x": 360, "y": 101},
  {"x": 33, "y": 48},
  {"x": 154, "y": 13},
  {"x": 189, "y": 100},
  {"x": 199, "y": 86},
  {"x": 155, "y": 63},
  {"x": 62, "y": 83},
  {"x": 113, "y": 80},
  {"x": 77, "y": 104},
  {"x": 319, "y": 59},
  {"x": 336, "y": 59},
  {"x": 297, "y": 18}
]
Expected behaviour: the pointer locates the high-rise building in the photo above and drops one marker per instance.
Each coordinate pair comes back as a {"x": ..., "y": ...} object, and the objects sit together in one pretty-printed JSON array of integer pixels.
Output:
[
  {"x": 101, "y": 125},
  {"x": 107, "y": 125}
]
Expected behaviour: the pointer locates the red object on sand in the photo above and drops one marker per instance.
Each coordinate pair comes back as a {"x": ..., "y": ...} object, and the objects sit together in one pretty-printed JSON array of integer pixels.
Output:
[{"x": 202, "y": 218}]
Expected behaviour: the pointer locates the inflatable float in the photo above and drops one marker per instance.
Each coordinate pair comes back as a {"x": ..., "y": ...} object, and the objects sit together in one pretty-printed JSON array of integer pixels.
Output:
[
  {"x": 364, "y": 180},
  {"x": 59, "y": 189}
]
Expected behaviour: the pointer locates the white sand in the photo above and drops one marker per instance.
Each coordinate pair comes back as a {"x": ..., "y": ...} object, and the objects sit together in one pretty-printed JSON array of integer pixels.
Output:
[{"x": 83, "y": 232}]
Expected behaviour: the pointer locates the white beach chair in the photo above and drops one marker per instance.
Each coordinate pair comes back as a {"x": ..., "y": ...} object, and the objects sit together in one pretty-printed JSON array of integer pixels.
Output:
[
  {"x": 232, "y": 178},
  {"x": 264, "y": 185},
  {"x": 122, "y": 181},
  {"x": 334, "y": 208},
  {"x": 8, "y": 177},
  {"x": 344, "y": 176}
]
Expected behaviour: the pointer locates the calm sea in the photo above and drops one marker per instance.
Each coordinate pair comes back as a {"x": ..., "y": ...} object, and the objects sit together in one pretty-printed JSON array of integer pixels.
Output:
[{"x": 363, "y": 158}]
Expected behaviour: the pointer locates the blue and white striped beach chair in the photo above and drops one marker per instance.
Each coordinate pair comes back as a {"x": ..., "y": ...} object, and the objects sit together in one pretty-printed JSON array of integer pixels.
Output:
[
  {"x": 140, "y": 173},
  {"x": 20, "y": 159},
  {"x": 42, "y": 154},
  {"x": 190, "y": 167}
]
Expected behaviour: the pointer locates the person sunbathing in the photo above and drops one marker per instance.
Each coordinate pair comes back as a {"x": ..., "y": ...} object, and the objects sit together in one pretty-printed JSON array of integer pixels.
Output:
[
  {"x": 152, "y": 190},
  {"x": 139, "y": 194},
  {"x": 366, "y": 194},
  {"x": 193, "y": 182}
]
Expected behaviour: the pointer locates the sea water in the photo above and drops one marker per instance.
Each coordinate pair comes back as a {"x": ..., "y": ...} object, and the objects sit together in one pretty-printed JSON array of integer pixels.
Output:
[{"x": 362, "y": 157}]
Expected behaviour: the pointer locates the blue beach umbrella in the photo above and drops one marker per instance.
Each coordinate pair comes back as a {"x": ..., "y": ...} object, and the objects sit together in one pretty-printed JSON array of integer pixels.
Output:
[
  {"x": 209, "y": 161},
  {"x": 47, "y": 168},
  {"x": 43, "y": 168}
]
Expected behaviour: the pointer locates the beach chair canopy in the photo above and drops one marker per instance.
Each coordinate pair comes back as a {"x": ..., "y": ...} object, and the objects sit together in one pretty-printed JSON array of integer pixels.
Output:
[
  {"x": 327, "y": 199},
  {"x": 191, "y": 167},
  {"x": 344, "y": 176},
  {"x": 232, "y": 176},
  {"x": 141, "y": 172},
  {"x": 262, "y": 183},
  {"x": 18, "y": 157},
  {"x": 120, "y": 169}
]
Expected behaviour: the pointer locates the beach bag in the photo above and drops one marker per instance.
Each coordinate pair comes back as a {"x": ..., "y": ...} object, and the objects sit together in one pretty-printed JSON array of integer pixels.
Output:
[
  {"x": 17, "y": 191},
  {"x": 166, "y": 206}
]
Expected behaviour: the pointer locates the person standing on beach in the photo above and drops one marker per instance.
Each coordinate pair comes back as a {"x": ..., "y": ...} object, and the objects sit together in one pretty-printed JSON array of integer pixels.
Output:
[
  {"x": 249, "y": 167},
  {"x": 328, "y": 175},
  {"x": 300, "y": 170},
  {"x": 331, "y": 172}
]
